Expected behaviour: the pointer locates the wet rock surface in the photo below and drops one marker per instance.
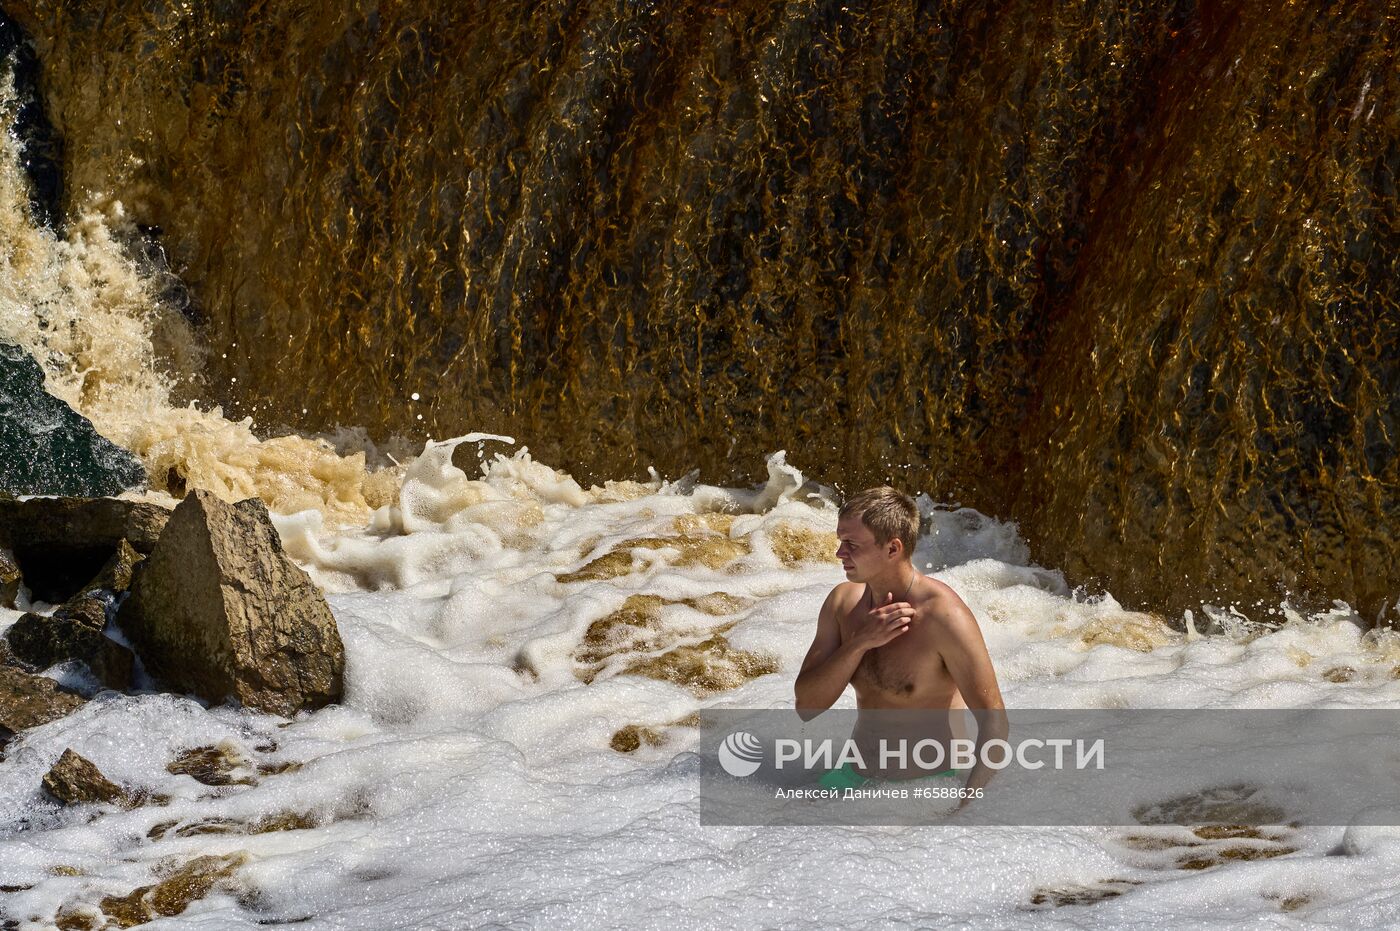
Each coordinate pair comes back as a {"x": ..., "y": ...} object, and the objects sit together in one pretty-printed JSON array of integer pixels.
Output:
[
  {"x": 222, "y": 764},
  {"x": 9, "y": 578},
  {"x": 172, "y": 895},
  {"x": 76, "y": 629},
  {"x": 1125, "y": 284},
  {"x": 61, "y": 544},
  {"x": 47, "y": 448},
  {"x": 74, "y": 779},
  {"x": 219, "y": 610},
  {"x": 27, "y": 700}
]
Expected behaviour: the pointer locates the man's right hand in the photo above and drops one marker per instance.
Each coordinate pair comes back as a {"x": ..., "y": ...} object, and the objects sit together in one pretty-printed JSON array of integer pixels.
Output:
[
  {"x": 830, "y": 662},
  {"x": 885, "y": 623}
]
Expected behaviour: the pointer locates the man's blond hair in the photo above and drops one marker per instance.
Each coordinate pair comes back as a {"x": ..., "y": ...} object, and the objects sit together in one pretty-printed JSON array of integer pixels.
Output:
[{"x": 890, "y": 514}]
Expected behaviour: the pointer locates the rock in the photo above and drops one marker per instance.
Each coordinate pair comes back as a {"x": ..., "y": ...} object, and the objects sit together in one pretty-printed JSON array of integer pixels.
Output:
[
  {"x": 75, "y": 630},
  {"x": 46, "y": 447},
  {"x": 9, "y": 579},
  {"x": 222, "y": 764},
  {"x": 114, "y": 665},
  {"x": 65, "y": 524},
  {"x": 75, "y": 779},
  {"x": 117, "y": 574},
  {"x": 40, "y": 145},
  {"x": 60, "y": 544},
  {"x": 28, "y": 701},
  {"x": 172, "y": 895},
  {"x": 219, "y": 610}
]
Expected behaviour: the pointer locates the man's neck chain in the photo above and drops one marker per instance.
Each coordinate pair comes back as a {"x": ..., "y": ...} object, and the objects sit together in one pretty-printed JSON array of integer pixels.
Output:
[{"x": 912, "y": 578}]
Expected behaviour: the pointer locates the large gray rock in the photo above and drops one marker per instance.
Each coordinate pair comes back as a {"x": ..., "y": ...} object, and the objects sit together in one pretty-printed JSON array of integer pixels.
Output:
[
  {"x": 59, "y": 544},
  {"x": 219, "y": 610}
]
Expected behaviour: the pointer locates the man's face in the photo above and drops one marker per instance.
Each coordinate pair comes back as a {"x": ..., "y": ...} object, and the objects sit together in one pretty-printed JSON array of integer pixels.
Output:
[{"x": 860, "y": 555}]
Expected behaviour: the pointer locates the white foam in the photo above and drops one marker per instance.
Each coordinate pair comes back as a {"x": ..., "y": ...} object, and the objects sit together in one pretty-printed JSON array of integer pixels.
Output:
[{"x": 468, "y": 777}]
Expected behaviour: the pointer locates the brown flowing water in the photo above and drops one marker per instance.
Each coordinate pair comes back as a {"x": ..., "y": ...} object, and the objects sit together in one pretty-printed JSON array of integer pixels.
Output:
[{"x": 1126, "y": 272}]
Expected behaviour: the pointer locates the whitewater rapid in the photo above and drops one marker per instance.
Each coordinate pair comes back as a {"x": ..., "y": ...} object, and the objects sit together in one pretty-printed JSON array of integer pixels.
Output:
[{"x": 480, "y": 772}]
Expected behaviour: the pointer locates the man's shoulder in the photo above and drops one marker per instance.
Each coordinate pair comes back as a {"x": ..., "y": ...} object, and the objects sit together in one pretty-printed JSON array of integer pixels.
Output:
[
  {"x": 845, "y": 594},
  {"x": 941, "y": 602},
  {"x": 933, "y": 587},
  {"x": 847, "y": 590}
]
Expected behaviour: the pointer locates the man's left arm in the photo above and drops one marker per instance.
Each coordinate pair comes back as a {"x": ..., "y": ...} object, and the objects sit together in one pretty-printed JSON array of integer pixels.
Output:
[{"x": 965, "y": 654}]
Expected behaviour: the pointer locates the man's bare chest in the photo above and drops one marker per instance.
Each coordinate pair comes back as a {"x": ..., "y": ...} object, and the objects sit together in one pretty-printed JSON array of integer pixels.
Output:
[{"x": 902, "y": 667}]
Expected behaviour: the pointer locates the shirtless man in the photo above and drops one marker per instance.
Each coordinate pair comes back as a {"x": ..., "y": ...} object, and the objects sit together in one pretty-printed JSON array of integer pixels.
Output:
[{"x": 902, "y": 639}]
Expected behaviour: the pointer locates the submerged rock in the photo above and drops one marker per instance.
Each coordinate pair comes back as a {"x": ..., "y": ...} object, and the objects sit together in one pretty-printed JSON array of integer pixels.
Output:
[
  {"x": 219, "y": 610},
  {"x": 173, "y": 894},
  {"x": 74, "y": 779},
  {"x": 46, "y": 447},
  {"x": 28, "y": 700},
  {"x": 222, "y": 764},
  {"x": 629, "y": 738},
  {"x": 61, "y": 544},
  {"x": 267, "y": 824}
]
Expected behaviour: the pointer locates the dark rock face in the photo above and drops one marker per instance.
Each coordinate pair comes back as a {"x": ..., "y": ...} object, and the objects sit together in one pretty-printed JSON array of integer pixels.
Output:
[
  {"x": 47, "y": 448},
  {"x": 67, "y": 524},
  {"x": 219, "y": 610},
  {"x": 114, "y": 665},
  {"x": 41, "y": 148},
  {"x": 117, "y": 574},
  {"x": 76, "y": 629},
  {"x": 60, "y": 544},
  {"x": 73, "y": 631},
  {"x": 29, "y": 701},
  {"x": 74, "y": 779},
  {"x": 9, "y": 579}
]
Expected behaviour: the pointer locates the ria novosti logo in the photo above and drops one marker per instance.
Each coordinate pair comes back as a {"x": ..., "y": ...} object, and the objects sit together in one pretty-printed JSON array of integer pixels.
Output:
[{"x": 741, "y": 754}]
